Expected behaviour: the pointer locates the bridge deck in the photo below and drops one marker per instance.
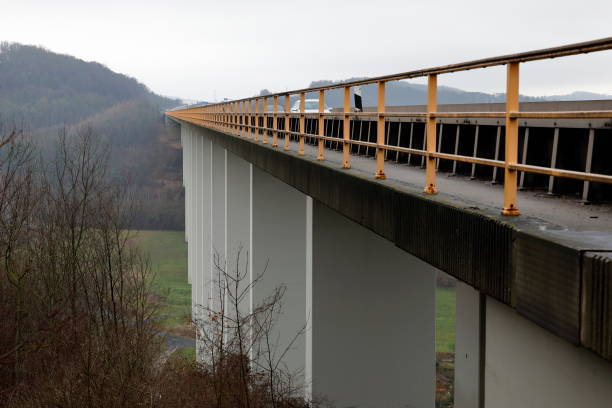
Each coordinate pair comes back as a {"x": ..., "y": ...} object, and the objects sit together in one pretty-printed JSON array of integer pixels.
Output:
[{"x": 543, "y": 210}]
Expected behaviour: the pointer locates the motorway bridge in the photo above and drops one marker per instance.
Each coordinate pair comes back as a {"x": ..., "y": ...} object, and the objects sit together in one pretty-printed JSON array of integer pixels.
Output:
[{"x": 356, "y": 212}]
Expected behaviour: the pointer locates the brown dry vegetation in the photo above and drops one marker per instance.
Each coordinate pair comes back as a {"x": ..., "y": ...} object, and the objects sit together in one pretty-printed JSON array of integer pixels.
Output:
[{"x": 76, "y": 300}]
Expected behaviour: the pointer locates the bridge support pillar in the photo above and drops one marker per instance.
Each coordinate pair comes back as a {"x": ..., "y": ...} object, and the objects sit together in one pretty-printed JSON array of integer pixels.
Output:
[
  {"x": 373, "y": 318},
  {"x": 280, "y": 248},
  {"x": 529, "y": 367},
  {"x": 197, "y": 154},
  {"x": 467, "y": 347},
  {"x": 238, "y": 212},
  {"x": 185, "y": 141},
  {"x": 218, "y": 225}
]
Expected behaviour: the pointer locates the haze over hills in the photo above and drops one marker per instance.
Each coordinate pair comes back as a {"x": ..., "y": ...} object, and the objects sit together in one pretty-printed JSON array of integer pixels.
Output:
[
  {"x": 401, "y": 93},
  {"x": 47, "y": 92}
]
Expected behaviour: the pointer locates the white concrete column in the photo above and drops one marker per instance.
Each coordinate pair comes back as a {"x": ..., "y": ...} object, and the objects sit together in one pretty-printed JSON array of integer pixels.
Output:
[
  {"x": 467, "y": 347},
  {"x": 198, "y": 216},
  {"x": 373, "y": 318},
  {"x": 528, "y": 367},
  {"x": 218, "y": 223},
  {"x": 238, "y": 213},
  {"x": 205, "y": 224},
  {"x": 192, "y": 247},
  {"x": 185, "y": 143},
  {"x": 200, "y": 226},
  {"x": 279, "y": 248}
]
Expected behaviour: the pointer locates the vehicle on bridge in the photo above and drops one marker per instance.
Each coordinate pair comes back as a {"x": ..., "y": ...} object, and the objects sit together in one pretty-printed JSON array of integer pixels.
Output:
[{"x": 310, "y": 106}]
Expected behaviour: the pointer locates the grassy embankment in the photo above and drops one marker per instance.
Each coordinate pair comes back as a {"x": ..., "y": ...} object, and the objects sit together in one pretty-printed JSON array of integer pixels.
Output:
[
  {"x": 445, "y": 320},
  {"x": 168, "y": 254}
]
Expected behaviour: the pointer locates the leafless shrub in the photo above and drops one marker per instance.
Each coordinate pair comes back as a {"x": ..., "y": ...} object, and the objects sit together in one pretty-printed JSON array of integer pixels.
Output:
[
  {"x": 241, "y": 359},
  {"x": 74, "y": 295}
]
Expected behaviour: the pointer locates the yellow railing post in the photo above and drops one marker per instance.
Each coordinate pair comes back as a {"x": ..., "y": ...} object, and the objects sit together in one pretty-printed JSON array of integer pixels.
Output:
[
  {"x": 380, "y": 133},
  {"x": 430, "y": 169},
  {"x": 256, "y": 120},
  {"x": 228, "y": 117},
  {"x": 321, "y": 142},
  {"x": 264, "y": 135},
  {"x": 233, "y": 118},
  {"x": 253, "y": 119},
  {"x": 287, "y": 101},
  {"x": 275, "y": 121},
  {"x": 242, "y": 119},
  {"x": 302, "y": 122},
  {"x": 346, "y": 134},
  {"x": 250, "y": 118},
  {"x": 511, "y": 148}
]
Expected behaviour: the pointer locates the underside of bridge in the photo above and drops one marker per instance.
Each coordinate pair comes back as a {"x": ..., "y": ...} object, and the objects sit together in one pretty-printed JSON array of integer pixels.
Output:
[{"x": 359, "y": 257}]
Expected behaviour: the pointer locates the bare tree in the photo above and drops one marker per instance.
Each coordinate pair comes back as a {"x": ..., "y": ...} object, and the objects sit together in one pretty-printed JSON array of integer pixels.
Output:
[
  {"x": 74, "y": 293},
  {"x": 242, "y": 342}
]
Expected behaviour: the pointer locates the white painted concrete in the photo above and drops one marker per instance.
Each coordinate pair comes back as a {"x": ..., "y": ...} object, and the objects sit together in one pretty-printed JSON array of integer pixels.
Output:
[
  {"x": 309, "y": 298},
  {"x": 368, "y": 306},
  {"x": 218, "y": 225},
  {"x": 373, "y": 318},
  {"x": 185, "y": 143},
  {"x": 528, "y": 367},
  {"x": 279, "y": 233},
  {"x": 198, "y": 219},
  {"x": 238, "y": 214},
  {"x": 192, "y": 246},
  {"x": 467, "y": 347}
]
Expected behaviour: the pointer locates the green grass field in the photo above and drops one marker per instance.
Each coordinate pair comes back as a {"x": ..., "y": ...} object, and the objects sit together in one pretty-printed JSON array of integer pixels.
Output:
[
  {"x": 445, "y": 320},
  {"x": 168, "y": 253}
]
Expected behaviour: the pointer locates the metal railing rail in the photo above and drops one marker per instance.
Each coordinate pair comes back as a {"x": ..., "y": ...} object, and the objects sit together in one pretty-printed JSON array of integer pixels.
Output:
[{"x": 242, "y": 118}]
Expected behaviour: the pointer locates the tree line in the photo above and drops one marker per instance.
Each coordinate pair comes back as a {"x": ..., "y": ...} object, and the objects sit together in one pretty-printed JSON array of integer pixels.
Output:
[
  {"x": 46, "y": 92},
  {"x": 77, "y": 309}
]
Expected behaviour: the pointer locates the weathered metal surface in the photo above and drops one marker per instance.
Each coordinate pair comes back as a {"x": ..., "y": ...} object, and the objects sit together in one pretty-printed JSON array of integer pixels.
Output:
[
  {"x": 547, "y": 284},
  {"x": 596, "y": 307},
  {"x": 469, "y": 246}
]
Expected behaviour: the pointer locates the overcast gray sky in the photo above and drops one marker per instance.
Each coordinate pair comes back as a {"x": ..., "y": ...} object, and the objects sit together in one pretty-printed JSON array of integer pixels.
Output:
[{"x": 206, "y": 49}]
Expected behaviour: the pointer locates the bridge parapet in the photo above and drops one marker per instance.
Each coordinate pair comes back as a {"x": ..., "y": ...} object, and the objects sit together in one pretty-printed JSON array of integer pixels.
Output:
[{"x": 245, "y": 118}]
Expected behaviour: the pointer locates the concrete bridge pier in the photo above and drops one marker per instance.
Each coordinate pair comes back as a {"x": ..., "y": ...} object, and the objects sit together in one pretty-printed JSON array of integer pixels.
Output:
[
  {"x": 280, "y": 251},
  {"x": 238, "y": 227},
  {"x": 502, "y": 360},
  {"x": 527, "y": 366},
  {"x": 373, "y": 318},
  {"x": 186, "y": 145},
  {"x": 218, "y": 226},
  {"x": 198, "y": 201},
  {"x": 469, "y": 346}
]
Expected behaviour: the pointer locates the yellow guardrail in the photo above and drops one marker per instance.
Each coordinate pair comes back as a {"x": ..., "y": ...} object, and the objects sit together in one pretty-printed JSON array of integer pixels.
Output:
[{"x": 242, "y": 118}]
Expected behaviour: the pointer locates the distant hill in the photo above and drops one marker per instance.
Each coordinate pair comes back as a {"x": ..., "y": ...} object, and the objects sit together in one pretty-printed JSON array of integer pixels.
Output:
[
  {"x": 400, "y": 93},
  {"x": 46, "y": 92},
  {"x": 577, "y": 96},
  {"x": 50, "y": 89}
]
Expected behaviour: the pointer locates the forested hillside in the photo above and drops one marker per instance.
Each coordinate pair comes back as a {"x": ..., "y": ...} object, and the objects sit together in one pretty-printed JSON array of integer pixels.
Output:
[{"x": 45, "y": 93}]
